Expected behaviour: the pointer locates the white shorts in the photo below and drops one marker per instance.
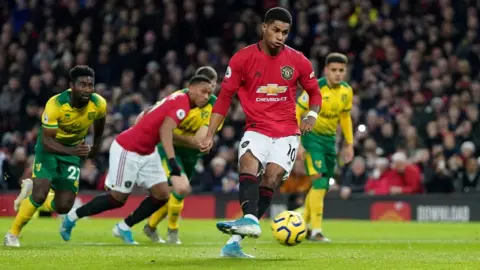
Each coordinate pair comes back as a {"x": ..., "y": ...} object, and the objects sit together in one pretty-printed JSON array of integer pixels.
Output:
[
  {"x": 128, "y": 169},
  {"x": 281, "y": 151}
]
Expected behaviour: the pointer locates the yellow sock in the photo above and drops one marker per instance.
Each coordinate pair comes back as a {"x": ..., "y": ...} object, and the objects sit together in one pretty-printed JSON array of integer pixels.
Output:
[
  {"x": 306, "y": 210},
  {"x": 315, "y": 198},
  {"x": 25, "y": 213},
  {"x": 49, "y": 204},
  {"x": 158, "y": 216},
  {"x": 175, "y": 207}
]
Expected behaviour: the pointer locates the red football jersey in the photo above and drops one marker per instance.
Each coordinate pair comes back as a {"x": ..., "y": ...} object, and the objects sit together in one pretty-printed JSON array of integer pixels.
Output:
[
  {"x": 267, "y": 88},
  {"x": 143, "y": 137}
]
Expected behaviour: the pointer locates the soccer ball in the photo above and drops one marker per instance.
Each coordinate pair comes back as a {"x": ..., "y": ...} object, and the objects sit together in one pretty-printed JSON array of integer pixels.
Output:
[{"x": 289, "y": 228}]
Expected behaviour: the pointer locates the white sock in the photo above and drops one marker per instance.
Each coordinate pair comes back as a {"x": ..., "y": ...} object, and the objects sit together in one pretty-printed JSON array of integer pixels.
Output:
[
  {"x": 316, "y": 231},
  {"x": 250, "y": 216},
  {"x": 235, "y": 238},
  {"x": 72, "y": 215},
  {"x": 123, "y": 226}
]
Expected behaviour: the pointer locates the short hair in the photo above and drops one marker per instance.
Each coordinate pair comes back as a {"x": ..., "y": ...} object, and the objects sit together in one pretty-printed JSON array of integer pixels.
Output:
[
  {"x": 197, "y": 79},
  {"x": 207, "y": 71},
  {"x": 277, "y": 14},
  {"x": 81, "y": 71},
  {"x": 336, "y": 58}
]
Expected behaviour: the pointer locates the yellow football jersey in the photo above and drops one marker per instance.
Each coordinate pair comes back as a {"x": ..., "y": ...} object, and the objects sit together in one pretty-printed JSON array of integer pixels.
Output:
[
  {"x": 72, "y": 123},
  {"x": 196, "y": 118},
  {"x": 334, "y": 102}
]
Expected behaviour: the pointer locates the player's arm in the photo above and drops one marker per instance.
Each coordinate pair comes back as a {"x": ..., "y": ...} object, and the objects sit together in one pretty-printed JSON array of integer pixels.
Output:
[
  {"x": 232, "y": 81},
  {"x": 309, "y": 83},
  {"x": 99, "y": 127},
  {"x": 345, "y": 120},
  {"x": 175, "y": 115}
]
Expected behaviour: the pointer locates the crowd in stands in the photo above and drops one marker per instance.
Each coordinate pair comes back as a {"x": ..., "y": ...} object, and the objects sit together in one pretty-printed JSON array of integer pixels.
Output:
[{"x": 414, "y": 67}]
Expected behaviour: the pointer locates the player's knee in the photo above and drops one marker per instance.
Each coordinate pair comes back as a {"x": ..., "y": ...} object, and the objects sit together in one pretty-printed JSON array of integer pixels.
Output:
[
  {"x": 63, "y": 207},
  {"x": 183, "y": 189},
  {"x": 160, "y": 191},
  {"x": 40, "y": 190},
  {"x": 249, "y": 163},
  {"x": 181, "y": 186},
  {"x": 119, "y": 197},
  {"x": 272, "y": 178}
]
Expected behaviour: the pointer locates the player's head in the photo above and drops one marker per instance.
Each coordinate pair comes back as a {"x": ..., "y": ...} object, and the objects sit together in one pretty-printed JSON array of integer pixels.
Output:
[
  {"x": 276, "y": 26},
  {"x": 336, "y": 67},
  {"x": 81, "y": 83},
  {"x": 210, "y": 73},
  {"x": 199, "y": 89}
]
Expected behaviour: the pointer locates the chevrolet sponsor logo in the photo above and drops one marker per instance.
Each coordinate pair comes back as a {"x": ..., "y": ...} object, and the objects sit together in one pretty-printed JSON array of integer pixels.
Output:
[{"x": 272, "y": 89}]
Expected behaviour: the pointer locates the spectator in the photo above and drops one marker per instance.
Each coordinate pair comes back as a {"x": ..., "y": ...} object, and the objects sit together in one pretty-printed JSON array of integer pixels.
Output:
[
  {"x": 401, "y": 178},
  {"x": 355, "y": 179}
]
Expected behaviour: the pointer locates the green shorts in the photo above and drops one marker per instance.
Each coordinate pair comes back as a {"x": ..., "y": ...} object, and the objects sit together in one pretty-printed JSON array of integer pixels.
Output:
[
  {"x": 186, "y": 159},
  {"x": 320, "y": 157},
  {"x": 62, "y": 171}
]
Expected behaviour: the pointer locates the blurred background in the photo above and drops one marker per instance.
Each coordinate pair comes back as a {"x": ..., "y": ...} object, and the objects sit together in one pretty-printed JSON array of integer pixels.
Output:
[{"x": 414, "y": 67}]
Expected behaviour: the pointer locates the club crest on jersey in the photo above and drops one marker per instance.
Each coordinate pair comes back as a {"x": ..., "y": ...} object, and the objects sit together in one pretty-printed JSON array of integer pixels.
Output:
[
  {"x": 344, "y": 98},
  {"x": 287, "y": 72},
  {"x": 91, "y": 115}
]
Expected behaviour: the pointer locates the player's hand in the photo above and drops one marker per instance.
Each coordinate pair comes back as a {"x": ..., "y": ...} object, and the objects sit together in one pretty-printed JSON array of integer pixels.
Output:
[
  {"x": 206, "y": 144},
  {"x": 82, "y": 150},
  {"x": 307, "y": 124},
  {"x": 348, "y": 153},
  {"x": 93, "y": 151}
]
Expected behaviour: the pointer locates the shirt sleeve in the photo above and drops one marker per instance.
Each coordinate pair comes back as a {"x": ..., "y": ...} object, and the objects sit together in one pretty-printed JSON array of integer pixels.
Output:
[
  {"x": 349, "y": 100},
  {"x": 308, "y": 81},
  {"x": 101, "y": 108},
  {"x": 231, "y": 82},
  {"x": 51, "y": 114},
  {"x": 178, "y": 108}
]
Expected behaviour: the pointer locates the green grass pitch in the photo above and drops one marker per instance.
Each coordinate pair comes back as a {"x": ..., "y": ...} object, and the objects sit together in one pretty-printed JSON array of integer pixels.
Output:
[{"x": 357, "y": 244}]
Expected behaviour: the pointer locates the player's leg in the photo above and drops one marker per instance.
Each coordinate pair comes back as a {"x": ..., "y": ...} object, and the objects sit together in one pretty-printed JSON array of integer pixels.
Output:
[
  {"x": 279, "y": 165},
  {"x": 320, "y": 185},
  {"x": 319, "y": 164},
  {"x": 43, "y": 172},
  {"x": 253, "y": 154},
  {"x": 176, "y": 200},
  {"x": 49, "y": 204},
  {"x": 120, "y": 180},
  {"x": 151, "y": 176}
]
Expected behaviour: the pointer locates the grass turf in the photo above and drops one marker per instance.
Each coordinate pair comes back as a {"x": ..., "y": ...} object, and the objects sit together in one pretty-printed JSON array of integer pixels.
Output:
[{"x": 357, "y": 244}]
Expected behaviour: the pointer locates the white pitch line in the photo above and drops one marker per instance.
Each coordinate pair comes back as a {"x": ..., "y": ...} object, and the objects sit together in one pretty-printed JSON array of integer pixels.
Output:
[{"x": 391, "y": 241}]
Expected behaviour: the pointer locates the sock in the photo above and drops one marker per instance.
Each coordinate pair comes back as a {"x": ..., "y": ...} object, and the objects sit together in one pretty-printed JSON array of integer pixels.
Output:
[
  {"x": 235, "y": 238},
  {"x": 49, "y": 204},
  {"x": 175, "y": 207},
  {"x": 306, "y": 210},
  {"x": 316, "y": 207},
  {"x": 99, "y": 204},
  {"x": 158, "y": 216},
  {"x": 248, "y": 194},
  {"x": 26, "y": 211},
  {"x": 148, "y": 206},
  {"x": 123, "y": 226},
  {"x": 266, "y": 195}
]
